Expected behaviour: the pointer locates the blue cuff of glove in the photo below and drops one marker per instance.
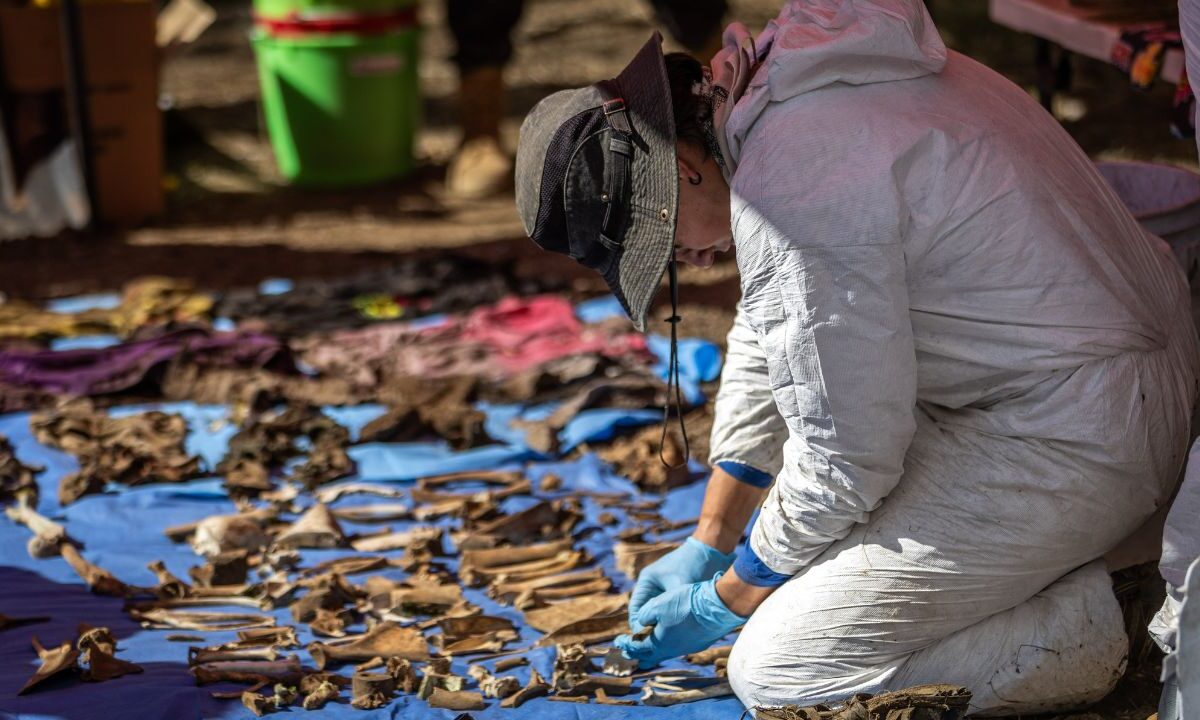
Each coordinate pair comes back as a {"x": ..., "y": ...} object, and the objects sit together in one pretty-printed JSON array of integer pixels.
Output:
[
  {"x": 753, "y": 571},
  {"x": 744, "y": 473}
]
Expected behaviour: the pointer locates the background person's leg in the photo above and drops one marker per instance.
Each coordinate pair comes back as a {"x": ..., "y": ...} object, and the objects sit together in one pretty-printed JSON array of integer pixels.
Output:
[
  {"x": 483, "y": 33},
  {"x": 695, "y": 24}
]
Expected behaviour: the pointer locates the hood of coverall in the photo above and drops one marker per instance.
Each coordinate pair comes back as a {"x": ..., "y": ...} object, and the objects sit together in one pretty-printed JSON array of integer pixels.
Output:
[{"x": 816, "y": 43}]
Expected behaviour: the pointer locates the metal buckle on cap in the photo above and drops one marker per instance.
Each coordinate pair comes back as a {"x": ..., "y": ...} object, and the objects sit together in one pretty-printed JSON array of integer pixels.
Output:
[{"x": 613, "y": 105}]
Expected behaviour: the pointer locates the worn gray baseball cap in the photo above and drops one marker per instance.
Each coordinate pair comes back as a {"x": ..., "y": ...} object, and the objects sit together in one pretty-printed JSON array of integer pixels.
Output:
[{"x": 597, "y": 179}]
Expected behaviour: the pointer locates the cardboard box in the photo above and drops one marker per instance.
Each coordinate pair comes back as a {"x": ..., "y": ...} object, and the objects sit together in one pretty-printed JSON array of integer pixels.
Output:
[{"x": 121, "y": 67}]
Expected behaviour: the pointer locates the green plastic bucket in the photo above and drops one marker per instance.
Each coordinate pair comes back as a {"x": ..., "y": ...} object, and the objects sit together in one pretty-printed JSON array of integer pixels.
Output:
[{"x": 340, "y": 109}]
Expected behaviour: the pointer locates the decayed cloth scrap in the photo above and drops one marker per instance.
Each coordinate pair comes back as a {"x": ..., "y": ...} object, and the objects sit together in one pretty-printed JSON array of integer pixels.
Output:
[
  {"x": 143, "y": 448},
  {"x": 408, "y": 290},
  {"x": 144, "y": 302},
  {"x": 495, "y": 342},
  {"x": 102, "y": 371}
]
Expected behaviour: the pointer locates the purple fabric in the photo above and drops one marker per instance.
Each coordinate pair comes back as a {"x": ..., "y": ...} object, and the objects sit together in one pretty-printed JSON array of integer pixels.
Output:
[{"x": 91, "y": 371}]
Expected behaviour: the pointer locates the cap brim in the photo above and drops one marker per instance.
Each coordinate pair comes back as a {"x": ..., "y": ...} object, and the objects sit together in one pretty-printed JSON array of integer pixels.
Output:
[{"x": 649, "y": 242}]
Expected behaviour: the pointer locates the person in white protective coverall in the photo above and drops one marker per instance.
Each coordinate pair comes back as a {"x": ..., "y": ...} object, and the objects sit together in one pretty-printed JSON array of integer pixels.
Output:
[{"x": 963, "y": 369}]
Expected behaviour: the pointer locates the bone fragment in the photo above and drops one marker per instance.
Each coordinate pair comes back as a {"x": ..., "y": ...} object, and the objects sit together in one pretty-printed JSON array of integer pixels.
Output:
[
  {"x": 540, "y": 596},
  {"x": 589, "y": 631},
  {"x": 316, "y": 528},
  {"x": 404, "y": 674},
  {"x": 709, "y": 656},
  {"x": 365, "y": 684},
  {"x": 578, "y": 699},
  {"x": 330, "y": 495},
  {"x": 553, "y": 617},
  {"x": 549, "y": 483},
  {"x": 492, "y": 686},
  {"x": 221, "y": 653},
  {"x": 585, "y": 685},
  {"x": 386, "y": 640},
  {"x": 223, "y": 533},
  {"x": 536, "y": 687},
  {"x": 506, "y": 592},
  {"x": 347, "y": 565},
  {"x": 328, "y": 592},
  {"x": 563, "y": 562},
  {"x": 489, "y": 477},
  {"x": 632, "y": 558},
  {"x": 321, "y": 694},
  {"x": 168, "y": 586},
  {"x": 377, "y": 513},
  {"x": 54, "y": 661},
  {"x": 481, "y": 559},
  {"x": 656, "y": 698},
  {"x": 99, "y": 580},
  {"x": 461, "y": 700},
  {"x": 617, "y": 665},
  {"x": 286, "y": 671},
  {"x": 414, "y": 537},
  {"x": 98, "y": 639},
  {"x": 47, "y": 534},
  {"x": 602, "y": 698},
  {"x": 510, "y": 663},
  {"x": 227, "y": 568},
  {"x": 486, "y": 626},
  {"x": 280, "y": 637},
  {"x": 202, "y": 621},
  {"x": 104, "y": 666}
]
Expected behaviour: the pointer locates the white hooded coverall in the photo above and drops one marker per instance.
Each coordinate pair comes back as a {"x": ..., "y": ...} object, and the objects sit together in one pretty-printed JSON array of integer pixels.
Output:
[{"x": 968, "y": 367}]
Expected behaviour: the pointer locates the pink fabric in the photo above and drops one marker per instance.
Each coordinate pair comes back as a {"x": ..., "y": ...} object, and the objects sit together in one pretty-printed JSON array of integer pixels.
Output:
[{"x": 497, "y": 341}]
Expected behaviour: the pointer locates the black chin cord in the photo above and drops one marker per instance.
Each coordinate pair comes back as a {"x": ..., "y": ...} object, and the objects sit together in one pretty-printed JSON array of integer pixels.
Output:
[{"x": 676, "y": 397}]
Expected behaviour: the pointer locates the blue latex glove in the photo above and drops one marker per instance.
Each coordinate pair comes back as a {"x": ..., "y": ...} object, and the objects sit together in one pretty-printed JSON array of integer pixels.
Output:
[
  {"x": 687, "y": 619},
  {"x": 689, "y": 563}
]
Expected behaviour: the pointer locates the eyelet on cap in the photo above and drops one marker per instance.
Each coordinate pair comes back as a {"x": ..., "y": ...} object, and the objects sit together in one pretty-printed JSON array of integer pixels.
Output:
[
  {"x": 664, "y": 214},
  {"x": 603, "y": 197}
]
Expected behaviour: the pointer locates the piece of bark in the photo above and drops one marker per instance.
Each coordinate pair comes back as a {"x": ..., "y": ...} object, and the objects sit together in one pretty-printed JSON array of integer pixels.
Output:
[
  {"x": 461, "y": 700},
  {"x": 709, "y": 656},
  {"x": 202, "y": 621},
  {"x": 8, "y": 623},
  {"x": 386, "y": 640},
  {"x": 62, "y": 658},
  {"x": 535, "y": 687},
  {"x": 589, "y": 631},
  {"x": 48, "y": 535},
  {"x": 553, "y": 617},
  {"x": 657, "y": 698},
  {"x": 98, "y": 580},
  {"x": 316, "y": 528},
  {"x": 632, "y": 558}
]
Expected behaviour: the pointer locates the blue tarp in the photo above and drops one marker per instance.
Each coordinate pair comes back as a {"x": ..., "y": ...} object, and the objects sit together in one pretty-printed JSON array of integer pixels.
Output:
[{"x": 122, "y": 531}]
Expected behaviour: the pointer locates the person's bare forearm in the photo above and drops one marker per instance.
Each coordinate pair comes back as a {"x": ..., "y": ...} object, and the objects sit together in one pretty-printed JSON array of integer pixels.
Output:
[
  {"x": 740, "y": 596},
  {"x": 728, "y": 505}
]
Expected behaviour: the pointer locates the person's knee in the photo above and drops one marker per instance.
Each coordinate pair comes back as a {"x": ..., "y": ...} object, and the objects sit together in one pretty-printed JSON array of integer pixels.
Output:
[{"x": 761, "y": 677}]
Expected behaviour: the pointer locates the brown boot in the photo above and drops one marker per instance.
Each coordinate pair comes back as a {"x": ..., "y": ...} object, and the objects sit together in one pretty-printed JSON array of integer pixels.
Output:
[{"x": 481, "y": 167}]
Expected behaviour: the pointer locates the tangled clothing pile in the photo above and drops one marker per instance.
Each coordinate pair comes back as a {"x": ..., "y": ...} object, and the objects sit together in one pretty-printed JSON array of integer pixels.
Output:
[
  {"x": 101, "y": 371},
  {"x": 950, "y": 310},
  {"x": 495, "y": 342},
  {"x": 409, "y": 289},
  {"x": 144, "y": 302}
]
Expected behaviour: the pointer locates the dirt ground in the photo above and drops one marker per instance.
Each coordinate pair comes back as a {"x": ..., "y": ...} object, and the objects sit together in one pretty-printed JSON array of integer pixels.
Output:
[{"x": 231, "y": 221}]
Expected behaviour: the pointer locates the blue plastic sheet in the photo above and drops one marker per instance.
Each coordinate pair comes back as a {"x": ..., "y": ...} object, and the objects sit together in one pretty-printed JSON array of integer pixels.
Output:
[{"x": 122, "y": 531}]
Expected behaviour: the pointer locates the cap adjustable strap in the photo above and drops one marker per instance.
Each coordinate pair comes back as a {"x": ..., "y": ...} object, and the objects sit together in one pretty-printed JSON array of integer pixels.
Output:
[
  {"x": 618, "y": 173},
  {"x": 673, "y": 375}
]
